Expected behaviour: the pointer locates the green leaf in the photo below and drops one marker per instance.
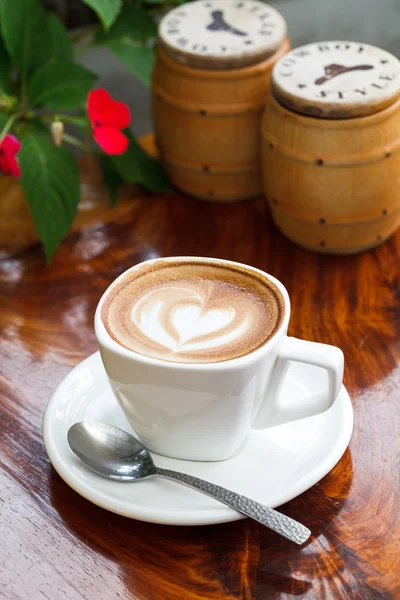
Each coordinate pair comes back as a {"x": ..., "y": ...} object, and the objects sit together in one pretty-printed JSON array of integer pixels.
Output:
[
  {"x": 136, "y": 166},
  {"x": 134, "y": 23},
  {"x": 111, "y": 177},
  {"x": 25, "y": 32},
  {"x": 61, "y": 47},
  {"x": 3, "y": 120},
  {"x": 50, "y": 179},
  {"x": 137, "y": 59},
  {"x": 106, "y": 10},
  {"x": 60, "y": 85},
  {"x": 35, "y": 124},
  {"x": 5, "y": 64},
  {"x": 126, "y": 38}
]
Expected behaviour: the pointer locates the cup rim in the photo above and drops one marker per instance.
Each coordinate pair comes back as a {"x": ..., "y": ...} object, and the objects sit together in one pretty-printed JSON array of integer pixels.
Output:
[{"x": 104, "y": 338}]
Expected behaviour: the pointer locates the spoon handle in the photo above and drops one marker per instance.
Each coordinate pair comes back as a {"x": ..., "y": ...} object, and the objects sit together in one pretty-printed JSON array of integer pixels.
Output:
[{"x": 289, "y": 528}]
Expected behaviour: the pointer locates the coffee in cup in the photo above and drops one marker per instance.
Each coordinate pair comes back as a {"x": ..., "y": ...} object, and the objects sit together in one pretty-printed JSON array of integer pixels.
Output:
[{"x": 192, "y": 312}]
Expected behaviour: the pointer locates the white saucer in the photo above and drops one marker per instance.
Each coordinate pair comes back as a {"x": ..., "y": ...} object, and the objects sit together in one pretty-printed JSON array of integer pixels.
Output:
[{"x": 274, "y": 466}]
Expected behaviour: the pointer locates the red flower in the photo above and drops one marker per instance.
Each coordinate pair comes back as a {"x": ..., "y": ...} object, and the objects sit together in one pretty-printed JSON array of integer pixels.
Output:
[
  {"x": 108, "y": 117},
  {"x": 9, "y": 147}
]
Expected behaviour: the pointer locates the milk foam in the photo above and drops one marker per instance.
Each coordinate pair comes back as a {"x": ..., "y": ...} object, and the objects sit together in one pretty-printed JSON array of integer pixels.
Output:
[
  {"x": 192, "y": 312},
  {"x": 176, "y": 317}
]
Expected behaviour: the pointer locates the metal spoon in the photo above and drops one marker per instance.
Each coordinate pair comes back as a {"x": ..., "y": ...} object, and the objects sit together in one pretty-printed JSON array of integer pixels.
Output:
[{"x": 116, "y": 454}]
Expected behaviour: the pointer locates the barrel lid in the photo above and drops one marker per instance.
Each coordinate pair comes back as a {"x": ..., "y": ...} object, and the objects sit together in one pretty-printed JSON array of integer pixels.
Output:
[
  {"x": 222, "y": 34},
  {"x": 337, "y": 80}
]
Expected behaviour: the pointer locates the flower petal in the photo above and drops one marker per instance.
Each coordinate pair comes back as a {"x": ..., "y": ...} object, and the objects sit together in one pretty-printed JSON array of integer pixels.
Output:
[
  {"x": 4, "y": 168},
  {"x": 117, "y": 116},
  {"x": 15, "y": 169},
  {"x": 8, "y": 149},
  {"x": 10, "y": 145},
  {"x": 97, "y": 101},
  {"x": 9, "y": 166},
  {"x": 108, "y": 112},
  {"x": 111, "y": 140}
]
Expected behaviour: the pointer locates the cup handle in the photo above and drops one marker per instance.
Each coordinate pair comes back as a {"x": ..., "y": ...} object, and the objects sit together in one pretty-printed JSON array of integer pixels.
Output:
[{"x": 272, "y": 412}]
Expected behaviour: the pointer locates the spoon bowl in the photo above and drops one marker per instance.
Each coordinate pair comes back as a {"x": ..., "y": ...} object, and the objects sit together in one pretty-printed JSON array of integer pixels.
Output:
[{"x": 110, "y": 451}]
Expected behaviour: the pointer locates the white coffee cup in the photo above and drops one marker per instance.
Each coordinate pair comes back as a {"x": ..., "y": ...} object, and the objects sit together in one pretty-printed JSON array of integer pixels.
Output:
[{"x": 205, "y": 411}]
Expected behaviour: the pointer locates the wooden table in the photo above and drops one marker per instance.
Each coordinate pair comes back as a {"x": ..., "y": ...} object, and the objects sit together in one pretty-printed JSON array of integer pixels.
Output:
[{"x": 54, "y": 544}]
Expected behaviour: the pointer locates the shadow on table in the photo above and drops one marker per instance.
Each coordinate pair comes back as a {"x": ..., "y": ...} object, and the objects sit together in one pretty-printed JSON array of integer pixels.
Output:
[{"x": 234, "y": 560}]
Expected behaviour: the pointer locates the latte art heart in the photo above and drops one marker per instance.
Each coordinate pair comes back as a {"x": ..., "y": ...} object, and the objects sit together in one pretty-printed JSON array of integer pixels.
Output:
[
  {"x": 192, "y": 311},
  {"x": 177, "y": 318}
]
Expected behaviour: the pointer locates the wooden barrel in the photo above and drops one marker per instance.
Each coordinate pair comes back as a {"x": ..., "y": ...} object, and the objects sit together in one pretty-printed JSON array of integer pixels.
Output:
[
  {"x": 207, "y": 108},
  {"x": 331, "y": 176}
]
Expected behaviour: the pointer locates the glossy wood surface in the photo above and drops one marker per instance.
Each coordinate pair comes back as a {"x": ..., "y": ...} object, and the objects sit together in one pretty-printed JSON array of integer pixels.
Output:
[{"x": 56, "y": 545}]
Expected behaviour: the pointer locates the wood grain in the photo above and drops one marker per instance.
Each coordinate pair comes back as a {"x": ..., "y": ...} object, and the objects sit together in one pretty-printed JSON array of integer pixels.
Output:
[
  {"x": 56, "y": 545},
  {"x": 332, "y": 184},
  {"x": 200, "y": 114}
]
